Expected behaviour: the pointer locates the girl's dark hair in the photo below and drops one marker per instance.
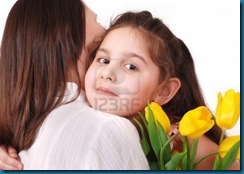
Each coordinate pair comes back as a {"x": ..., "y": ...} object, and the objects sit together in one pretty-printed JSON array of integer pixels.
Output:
[
  {"x": 173, "y": 58},
  {"x": 41, "y": 44}
]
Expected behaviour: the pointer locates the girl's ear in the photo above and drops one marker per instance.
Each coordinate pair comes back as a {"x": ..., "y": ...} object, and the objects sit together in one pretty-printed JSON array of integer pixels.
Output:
[{"x": 168, "y": 91}]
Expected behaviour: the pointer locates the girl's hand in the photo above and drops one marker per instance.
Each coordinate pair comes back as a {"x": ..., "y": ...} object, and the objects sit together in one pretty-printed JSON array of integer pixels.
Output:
[{"x": 9, "y": 159}]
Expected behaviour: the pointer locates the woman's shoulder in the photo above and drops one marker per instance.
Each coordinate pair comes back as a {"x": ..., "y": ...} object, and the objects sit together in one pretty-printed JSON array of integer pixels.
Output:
[
  {"x": 79, "y": 114},
  {"x": 106, "y": 119},
  {"x": 117, "y": 124}
]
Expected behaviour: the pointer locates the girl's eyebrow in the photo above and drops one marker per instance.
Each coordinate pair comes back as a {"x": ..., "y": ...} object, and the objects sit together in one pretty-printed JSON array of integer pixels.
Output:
[
  {"x": 103, "y": 50},
  {"x": 128, "y": 54}
]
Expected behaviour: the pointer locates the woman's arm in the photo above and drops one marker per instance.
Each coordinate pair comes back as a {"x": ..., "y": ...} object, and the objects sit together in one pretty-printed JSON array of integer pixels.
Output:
[{"x": 9, "y": 159}]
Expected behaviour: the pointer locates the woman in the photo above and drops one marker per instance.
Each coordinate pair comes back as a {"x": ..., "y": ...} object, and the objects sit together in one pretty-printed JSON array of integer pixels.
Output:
[{"x": 42, "y": 115}]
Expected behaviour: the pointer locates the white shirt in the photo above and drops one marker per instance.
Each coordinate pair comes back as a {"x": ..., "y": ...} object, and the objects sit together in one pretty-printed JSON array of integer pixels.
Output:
[{"x": 77, "y": 137}]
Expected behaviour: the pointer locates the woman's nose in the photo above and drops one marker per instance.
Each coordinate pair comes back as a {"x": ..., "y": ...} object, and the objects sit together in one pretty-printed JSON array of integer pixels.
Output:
[{"x": 101, "y": 28}]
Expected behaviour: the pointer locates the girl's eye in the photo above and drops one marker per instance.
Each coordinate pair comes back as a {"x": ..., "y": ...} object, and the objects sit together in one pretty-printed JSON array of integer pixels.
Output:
[
  {"x": 131, "y": 67},
  {"x": 103, "y": 61}
]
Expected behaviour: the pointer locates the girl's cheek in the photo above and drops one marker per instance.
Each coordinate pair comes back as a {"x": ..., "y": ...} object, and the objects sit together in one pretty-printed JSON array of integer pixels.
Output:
[
  {"x": 89, "y": 78},
  {"x": 133, "y": 85}
]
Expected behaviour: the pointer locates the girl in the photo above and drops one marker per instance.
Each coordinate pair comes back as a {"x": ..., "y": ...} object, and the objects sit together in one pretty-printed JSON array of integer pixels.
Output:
[{"x": 139, "y": 60}]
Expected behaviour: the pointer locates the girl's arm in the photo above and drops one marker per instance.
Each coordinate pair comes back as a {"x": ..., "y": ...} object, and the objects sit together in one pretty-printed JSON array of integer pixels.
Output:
[
  {"x": 9, "y": 159},
  {"x": 206, "y": 146}
]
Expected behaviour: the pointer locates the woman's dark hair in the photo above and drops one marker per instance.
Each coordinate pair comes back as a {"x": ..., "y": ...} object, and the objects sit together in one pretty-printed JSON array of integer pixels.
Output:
[
  {"x": 173, "y": 58},
  {"x": 41, "y": 44}
]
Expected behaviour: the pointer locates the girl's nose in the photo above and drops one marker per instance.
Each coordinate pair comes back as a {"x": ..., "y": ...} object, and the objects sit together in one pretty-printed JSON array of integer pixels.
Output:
[{"x": 108, "y": 74}]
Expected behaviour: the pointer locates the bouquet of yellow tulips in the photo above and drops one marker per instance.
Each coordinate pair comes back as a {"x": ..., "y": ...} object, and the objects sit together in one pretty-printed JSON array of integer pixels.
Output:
[{"x": 194, "y": 124}]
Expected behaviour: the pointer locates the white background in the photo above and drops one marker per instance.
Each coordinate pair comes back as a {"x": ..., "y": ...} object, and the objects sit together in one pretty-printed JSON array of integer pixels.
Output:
[{"x": 210, "y": 28}]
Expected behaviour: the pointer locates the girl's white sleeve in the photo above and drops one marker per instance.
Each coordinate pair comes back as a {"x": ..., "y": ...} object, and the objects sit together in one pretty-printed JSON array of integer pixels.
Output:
[{"x": 116, "y": 146}]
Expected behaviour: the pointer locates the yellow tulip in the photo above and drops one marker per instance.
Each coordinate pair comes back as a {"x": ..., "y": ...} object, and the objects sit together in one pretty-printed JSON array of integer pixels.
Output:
[
  {"x": 228, "y": 109},
  {"x": 196, "y": 122},
  {"x": 226, "y": 144},
  {"x": 159, "y": 116}
]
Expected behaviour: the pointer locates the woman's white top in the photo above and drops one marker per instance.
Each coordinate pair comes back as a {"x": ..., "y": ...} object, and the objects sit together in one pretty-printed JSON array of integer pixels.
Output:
[{"x": 76, "y": 137}]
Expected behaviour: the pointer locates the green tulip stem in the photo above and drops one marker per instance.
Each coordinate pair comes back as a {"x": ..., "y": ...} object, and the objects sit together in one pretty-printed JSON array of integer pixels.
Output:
[
  {"x": 222, "y": 136},
  {"x": 163, "y": 148},
  {"x": 216, "y": 161},
  {"x": 170, "y": 139},
  {"x": 201, "y": 159},
  {"x": 192, "y": 154}
]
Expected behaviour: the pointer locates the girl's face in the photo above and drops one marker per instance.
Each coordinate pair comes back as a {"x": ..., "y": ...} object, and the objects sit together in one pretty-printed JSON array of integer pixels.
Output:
[{"x": 122, "y": 77}]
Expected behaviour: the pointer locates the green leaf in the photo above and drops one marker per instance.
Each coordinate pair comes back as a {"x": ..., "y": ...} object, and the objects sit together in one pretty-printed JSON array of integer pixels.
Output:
[
  {"x": 216, "y": 162},
  {"x": 143, "y": 119},
  {"x": 154, "y": 165},
  {"x": 144, "y": 142},
  {"x": 151, "y": 156},
  {"x": 175, "y": 161},
  {"x": 153, "y": 134},
  {"x": 166, "y": 149},
  {"x": 230, "y": 157}
]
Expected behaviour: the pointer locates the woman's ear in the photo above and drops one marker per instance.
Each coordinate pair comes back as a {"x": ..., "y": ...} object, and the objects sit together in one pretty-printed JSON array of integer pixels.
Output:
[{"x": 167, "y": 91}]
